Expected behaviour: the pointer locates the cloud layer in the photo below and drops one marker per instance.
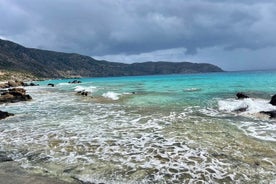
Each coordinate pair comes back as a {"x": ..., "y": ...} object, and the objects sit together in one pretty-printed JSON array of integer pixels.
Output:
[{"x": 131, "y": 27}]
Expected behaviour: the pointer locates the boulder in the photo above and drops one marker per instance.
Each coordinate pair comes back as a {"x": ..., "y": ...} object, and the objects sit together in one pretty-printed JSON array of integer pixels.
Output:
[
  {"x": 50, "y": 84},
  {"x": 272, "y": 114},
  {"x": 241, "y": 95},
  {"x": 14, "y": 95},
  {"x": 4, "y": 115},
  {"x": 273, "y": 100},
  {"x": 17, "y": 91}
]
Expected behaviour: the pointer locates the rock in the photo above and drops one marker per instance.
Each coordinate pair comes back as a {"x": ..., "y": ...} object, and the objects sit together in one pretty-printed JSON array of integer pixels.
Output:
[
  {"x": 14, "y": 95},
  {"x": 31, "y": 84},
  {"x": 4, "y": 85},
  {"x": 12, "y": 84},
  {"x": 83, "y": 93},
  {"x": 272, "y": 114},
  {"x": 4, "y": 115},
  {"x": 50, "y": 84},
  {"x": 273, "y": 100},
  {"x": 17, "y": 91},
  {"x": 241, "y": 95},
  {"x": 4, "y": 157},
  {"x": 9, "y": 84},
  {"x": 75, "y": 82}
]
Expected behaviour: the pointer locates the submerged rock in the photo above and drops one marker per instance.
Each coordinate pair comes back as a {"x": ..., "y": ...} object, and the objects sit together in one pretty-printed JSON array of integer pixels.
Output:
[
  {"x": 241, "y": 95},
  {"x": 50, "y": 84},
  {"x": 4, "y": 115},
  {"x": 273, "y": 100},
  {"x": 272, "y": 114}
]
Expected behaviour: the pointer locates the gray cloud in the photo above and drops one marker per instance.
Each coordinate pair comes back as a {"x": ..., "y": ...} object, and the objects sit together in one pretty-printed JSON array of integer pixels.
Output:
[{"x": 110, "y": 27}]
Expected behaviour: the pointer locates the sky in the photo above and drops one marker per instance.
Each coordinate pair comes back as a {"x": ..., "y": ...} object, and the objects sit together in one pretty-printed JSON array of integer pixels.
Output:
[{"x": 233, "y": 34}]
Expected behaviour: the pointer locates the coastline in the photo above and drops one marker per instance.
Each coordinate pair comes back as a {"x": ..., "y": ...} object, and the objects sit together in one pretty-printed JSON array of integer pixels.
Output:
[{"x": 10, "y": 171}]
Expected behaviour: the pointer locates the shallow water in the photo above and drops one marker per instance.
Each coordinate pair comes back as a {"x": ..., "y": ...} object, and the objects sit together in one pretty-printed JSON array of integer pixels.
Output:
[{"x": 148, "y": 129}]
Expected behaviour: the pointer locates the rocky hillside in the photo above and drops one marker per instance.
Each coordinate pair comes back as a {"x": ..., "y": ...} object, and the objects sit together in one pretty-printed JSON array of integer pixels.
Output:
[{"x": 50, "y": 64}]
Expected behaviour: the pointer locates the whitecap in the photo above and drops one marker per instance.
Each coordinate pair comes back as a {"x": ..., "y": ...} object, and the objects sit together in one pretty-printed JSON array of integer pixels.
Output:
[
  {"x": 90, "y": 89},
  {"x": 111, "y": 95},
  {"x": 191, "y": 89},
  {"x": 252, "y": 106}
]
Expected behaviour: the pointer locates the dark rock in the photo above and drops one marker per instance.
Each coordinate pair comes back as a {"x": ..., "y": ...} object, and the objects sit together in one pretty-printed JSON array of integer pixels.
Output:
[
  {"x": 272, "y": 114},
  {"x": 75, "y": 82},
  {"x": 14, "y": 95},
  {"x": 241, "y": 95},
  {"x": 17, "y": 91},
  {"x": 31, "y": 84},
  {"x": 273, "y": 100},
  {"x": 83, "y": 93},
  {"x": 4, "y": 115},
  {"x": 50, "y": 84}
]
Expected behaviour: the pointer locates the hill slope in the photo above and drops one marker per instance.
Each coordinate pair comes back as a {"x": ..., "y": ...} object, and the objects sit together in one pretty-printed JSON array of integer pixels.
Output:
[{"x": 50, "y": 64}]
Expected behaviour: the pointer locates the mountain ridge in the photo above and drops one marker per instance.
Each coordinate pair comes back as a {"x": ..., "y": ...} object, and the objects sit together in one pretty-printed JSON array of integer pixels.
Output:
[{"x": 53, "y": 64}]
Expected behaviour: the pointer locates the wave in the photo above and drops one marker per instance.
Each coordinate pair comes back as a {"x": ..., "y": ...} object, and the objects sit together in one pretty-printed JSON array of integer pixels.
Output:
[
  {"x": 112, "y": 95},
  {"x": 251, "y": 106},
  {"x": 191, "y": 89},
  {"x": 90, "y": 89}
]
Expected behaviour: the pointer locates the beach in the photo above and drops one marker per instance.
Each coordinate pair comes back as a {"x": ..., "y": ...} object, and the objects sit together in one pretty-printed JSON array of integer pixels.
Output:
[{"x": 145, "y": 129}]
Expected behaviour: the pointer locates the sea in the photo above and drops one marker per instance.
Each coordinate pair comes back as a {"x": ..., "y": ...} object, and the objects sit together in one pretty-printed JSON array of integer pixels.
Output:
[{"x": 147, "y": 129}]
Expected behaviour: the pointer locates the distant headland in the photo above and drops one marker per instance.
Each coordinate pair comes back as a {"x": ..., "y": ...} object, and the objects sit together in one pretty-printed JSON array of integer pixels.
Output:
[{"x": 50, "y": 64}]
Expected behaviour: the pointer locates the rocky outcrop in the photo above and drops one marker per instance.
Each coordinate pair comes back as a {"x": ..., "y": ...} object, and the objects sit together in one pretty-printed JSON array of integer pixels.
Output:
[
  {"x": 14, "y": 95},
  {"x": 16, "y": 83},
  {"x": 241, "y": 95},
  {"x": 273, "y": 100},
  {"x": 4, "y": 115}
]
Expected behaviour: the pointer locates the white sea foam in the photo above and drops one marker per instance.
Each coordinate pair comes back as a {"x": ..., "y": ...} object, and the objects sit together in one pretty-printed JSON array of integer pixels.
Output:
[
  {"x": 260, "y": 127},
  {"x": 90, "y": 89},
  {"x": 192, "y": 89},
  {"x": 105, "y": 141},
  {"x": 63, "y": 84},
  {"x": 252, "y": 106},
  {"x": 112, "y": 95}
]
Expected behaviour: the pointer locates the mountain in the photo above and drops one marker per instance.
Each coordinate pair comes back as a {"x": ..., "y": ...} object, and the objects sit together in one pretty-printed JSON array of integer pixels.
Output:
[{"x": 50, "y": 64}]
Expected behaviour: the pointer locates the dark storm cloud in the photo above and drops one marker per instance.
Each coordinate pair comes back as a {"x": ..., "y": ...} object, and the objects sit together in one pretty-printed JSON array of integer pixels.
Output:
[{"x": 105, "y": 27}]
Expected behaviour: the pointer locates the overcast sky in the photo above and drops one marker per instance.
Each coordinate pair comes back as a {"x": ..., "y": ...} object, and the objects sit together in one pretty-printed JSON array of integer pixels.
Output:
[{"x": 233, "y": 34}]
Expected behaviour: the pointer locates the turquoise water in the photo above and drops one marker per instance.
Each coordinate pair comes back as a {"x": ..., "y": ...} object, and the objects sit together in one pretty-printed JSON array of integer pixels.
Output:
[{"x": 147, "y": 129}]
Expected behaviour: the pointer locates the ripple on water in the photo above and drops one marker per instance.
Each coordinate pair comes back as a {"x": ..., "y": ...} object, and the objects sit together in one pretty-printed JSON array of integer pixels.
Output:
[{"x": 106, "y": 142}]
